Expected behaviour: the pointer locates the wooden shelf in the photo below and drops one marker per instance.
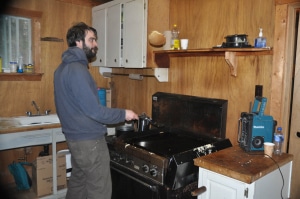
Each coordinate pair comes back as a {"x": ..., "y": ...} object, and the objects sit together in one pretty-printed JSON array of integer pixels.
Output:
[
  {"x": 162, "y": 58},
  {"x": 21, "y": 76}
]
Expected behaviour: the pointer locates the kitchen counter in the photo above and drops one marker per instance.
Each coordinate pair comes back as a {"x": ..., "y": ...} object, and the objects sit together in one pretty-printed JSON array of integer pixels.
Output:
[
  {"x": 14, "y": 129},
  {"x": 9, "y": 125},
  {"x": 235, "y": 163}
]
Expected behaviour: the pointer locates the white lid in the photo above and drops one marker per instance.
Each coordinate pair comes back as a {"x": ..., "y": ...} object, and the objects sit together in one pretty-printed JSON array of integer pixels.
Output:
[{"x": 260, "y": 32}]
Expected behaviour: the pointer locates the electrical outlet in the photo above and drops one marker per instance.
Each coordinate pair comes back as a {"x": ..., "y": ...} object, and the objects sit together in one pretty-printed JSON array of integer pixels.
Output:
[{"x": 258, "y": 90}]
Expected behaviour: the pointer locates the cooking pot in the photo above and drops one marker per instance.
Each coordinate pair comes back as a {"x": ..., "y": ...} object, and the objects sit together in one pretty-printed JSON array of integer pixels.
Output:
[
  {"x": 143, "y": 124},
  {"x": 124, "y": 129},
  {"x": 237, "y": 40}
]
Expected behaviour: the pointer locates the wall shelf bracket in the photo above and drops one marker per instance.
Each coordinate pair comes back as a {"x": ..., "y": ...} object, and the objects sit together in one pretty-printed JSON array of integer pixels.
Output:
[
  {"x": 104, "y": 70},
  {"x": 161, "y": 74},
  {"x": 230, "y": 58}
]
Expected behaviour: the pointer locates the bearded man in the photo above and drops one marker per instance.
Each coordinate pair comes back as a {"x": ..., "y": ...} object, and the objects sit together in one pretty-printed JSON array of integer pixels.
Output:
[{"x": 83, "y": 118}]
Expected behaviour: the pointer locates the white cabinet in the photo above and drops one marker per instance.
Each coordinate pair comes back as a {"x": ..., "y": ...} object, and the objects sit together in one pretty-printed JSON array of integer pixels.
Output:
[
  {"x": 269, "y": 186},
  {"x": 122, "y": 33},
  {"x": 134, "y": 34},
  {"x": 99, "y": 23},
  {"x": 114, "y": 36}
]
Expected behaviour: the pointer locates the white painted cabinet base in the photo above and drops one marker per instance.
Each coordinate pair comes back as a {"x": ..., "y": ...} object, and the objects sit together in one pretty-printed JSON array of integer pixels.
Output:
[
  {"x": 267, "y": 187},
  {"x": 33, "y": 138}
]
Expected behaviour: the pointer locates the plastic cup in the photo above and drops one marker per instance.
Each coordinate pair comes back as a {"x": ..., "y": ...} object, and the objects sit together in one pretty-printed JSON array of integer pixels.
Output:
[
  {"x": 184, "y": 43},
  {"x": 268, "y": 149}
]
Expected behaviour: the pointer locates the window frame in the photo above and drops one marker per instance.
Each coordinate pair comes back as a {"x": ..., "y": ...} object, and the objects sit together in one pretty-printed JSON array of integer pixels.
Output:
[{"x": 35, "y": 17}]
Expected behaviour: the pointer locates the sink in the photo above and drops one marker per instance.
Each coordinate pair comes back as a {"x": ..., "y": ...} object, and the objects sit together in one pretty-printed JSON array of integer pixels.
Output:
[{"x": 36, "y": 120}]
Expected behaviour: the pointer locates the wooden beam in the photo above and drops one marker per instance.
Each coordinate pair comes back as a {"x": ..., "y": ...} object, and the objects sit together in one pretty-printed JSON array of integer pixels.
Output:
[{"x": 279, "y": 2}]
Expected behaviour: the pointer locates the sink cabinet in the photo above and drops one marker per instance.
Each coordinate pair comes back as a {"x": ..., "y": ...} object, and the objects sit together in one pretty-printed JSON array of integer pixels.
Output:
[
  {"x": 122, "y": 29},
  {"x": 32, "y": 138}
]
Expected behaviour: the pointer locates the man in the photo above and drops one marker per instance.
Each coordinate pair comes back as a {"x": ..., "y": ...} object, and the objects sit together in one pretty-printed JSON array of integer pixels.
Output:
[{"x": 82, "y": 117}]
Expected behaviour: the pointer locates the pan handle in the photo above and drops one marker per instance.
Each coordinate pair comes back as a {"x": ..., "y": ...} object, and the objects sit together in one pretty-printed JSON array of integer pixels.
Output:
[{"x": 198, "y": 191}]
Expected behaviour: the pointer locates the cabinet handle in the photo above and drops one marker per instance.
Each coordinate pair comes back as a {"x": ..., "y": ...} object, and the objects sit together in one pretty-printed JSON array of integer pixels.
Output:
[
  {"x": 198, "y": 191},
  {"x": 115, "y": 60},
  {"x": 100, "y": 60},
  {"x": 298, "y": 134},
  {"x": 126, "y": 61}
]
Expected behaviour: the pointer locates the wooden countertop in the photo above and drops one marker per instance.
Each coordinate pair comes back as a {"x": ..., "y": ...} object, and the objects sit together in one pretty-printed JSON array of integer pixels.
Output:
[
  {"x": 11, "y": 125},
  {"x": 234, "y": 162},
  {"x": 15, "y": 129}
]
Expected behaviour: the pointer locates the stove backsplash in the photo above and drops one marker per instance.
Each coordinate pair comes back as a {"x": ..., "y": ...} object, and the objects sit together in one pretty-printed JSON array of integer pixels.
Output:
[{"x": 197, "y": 115}]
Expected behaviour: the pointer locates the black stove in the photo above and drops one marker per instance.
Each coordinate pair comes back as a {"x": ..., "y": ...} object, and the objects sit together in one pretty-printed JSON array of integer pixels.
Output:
[{"x": 161, "y": 159}]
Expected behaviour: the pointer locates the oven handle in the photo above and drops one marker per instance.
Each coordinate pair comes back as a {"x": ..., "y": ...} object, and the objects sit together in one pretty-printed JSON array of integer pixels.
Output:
[
  {"x": 153, "y": 188},
  {"x": 198, "y": 191}
]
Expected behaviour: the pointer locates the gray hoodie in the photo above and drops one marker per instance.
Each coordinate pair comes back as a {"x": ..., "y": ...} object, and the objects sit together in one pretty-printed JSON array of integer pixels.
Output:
[{"x": 81, "y": 115}]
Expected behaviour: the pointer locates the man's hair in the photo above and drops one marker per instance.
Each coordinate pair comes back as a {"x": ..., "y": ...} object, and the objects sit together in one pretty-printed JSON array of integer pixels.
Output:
[{"x": 78, "y": 32}]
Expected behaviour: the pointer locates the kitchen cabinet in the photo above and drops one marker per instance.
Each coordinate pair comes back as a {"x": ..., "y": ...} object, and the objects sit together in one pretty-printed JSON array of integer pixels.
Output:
[
  {"x": 99, "y": 23},
  {"x": 123, "y": 25},
  {"x": 235, "y": 174}
]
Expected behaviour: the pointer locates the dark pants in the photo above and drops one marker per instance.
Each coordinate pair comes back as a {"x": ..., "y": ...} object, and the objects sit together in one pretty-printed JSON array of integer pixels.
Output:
[{"x": 90, "y": 177}]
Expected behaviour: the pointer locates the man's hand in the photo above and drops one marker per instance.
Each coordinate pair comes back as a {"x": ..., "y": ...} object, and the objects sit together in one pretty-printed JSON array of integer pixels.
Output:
[{"x": 130, "y": 115}]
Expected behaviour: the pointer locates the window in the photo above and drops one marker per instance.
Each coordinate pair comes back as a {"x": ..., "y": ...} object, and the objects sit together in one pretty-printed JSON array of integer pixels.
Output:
[
  {"x": 33, "y": 55},
  {"x": 16, "y": 39}
]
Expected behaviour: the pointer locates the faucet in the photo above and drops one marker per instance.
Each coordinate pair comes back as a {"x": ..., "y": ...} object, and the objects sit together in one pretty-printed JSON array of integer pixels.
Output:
[{"x": 36, "y": 107}]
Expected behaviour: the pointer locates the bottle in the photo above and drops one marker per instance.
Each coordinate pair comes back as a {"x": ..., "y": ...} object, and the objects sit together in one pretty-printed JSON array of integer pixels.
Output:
[
  {"x": 175, "y": 44},
  {"x": 278, "y": 140},
  {"x": 260, "y": 41},
  {"x": 20, "y": 65},
  {"x": 102, "y": 96}
]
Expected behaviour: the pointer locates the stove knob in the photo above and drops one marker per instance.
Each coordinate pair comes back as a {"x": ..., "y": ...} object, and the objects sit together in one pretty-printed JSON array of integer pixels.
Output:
[
  {"x": 145, "y": 168},
  {"x": 121, "y": 157},
  {"x": 128, "y": 161},
  {"x": 153, "y": 172}
]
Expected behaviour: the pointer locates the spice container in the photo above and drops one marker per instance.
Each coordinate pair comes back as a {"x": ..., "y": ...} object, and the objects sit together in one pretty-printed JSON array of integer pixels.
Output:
[
  {"x": 13, "y": 66},
  {"x": 29, "y": 68}
]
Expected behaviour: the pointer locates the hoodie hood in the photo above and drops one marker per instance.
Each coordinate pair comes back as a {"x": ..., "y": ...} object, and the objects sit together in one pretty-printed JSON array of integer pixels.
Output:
[{"x": 74, "y": 54}]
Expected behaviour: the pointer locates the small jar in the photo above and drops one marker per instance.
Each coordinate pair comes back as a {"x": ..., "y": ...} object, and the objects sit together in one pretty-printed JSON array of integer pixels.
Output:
[
  {"x": 13, "y": 66},
  {"x": 29, "y": 68}
]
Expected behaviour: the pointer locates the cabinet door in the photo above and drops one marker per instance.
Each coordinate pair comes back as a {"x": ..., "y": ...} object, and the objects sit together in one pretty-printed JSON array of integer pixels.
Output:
[
  {"x": 134, "y": 35},
  {"x": 113, "y": 45},
  {"x": 99, "y": 23},
  {"x": 219, "y": 186}
]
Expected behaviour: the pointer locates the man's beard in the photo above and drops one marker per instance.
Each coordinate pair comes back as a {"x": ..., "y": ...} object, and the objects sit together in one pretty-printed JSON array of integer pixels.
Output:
[{"x": 89, "y": 52}]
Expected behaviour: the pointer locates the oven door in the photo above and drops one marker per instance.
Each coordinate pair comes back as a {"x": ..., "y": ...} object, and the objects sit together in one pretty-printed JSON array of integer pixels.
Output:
[{"x": 127, "y": 185}]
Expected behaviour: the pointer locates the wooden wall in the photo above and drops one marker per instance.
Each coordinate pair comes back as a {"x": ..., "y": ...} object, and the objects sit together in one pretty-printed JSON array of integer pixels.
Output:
[{"x": 204, "y": 22}]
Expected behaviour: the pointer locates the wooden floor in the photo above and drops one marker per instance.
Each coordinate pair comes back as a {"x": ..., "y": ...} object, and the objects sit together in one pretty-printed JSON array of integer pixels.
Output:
[{"x": 10, "y": 192}]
